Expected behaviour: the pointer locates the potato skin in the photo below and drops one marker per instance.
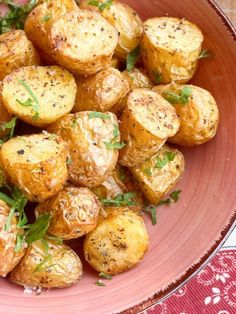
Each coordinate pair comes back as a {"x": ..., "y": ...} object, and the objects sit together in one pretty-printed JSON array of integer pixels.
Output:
[
  {"x": 101, "y": 92},
  {"x": 5, "y": 116},
  {"x": 155, "y": 183},
  {"x": 126, "y": 21},
  {"x": 74, "y": 212},
  {"x": 62, "y": 270},
  {"x": 36, "y": 164},
  {"x": 199, "y": 118},
  {"x": 146, "y": 123},
  {"x": 83, "y": 42},
  {"x": 137, "y": 79},
  {"x": 53, "y": 86},
  {"x": 118, "y": 243},
  {"x": 16, "y": 52},
  {"x": 92, "y": 162},
  {"x": 8, "y": 256},
  {"x": 170, "y": 47}
]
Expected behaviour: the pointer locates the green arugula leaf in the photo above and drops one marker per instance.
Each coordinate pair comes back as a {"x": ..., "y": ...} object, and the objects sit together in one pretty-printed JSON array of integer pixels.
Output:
[
  {"x": 121, "y": 200},
  {"x": 38, "y": 229},
  {"x": 153, "y": 212},
  {"x": 109, "y": 277},
  {"x": 168, "y": 157},
  {"x": 205, "y": 54},
  {"x": 100, "y": 115},
  {"x": 132, "y": 58},
  {"x": 29, "y": 102},
  {"x": 101, "y": 5}
]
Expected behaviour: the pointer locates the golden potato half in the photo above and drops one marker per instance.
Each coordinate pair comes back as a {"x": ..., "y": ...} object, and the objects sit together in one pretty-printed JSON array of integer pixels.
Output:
[
  {"x": 88, "y": 134},
  {"x": 199, "y": 117},
  {"x": 170, "y": 48},
  {"x": 159, "y": 174},
  {"x": 60, "y": 267},
  {"x": 5, "y": 116},
  {"x": 37, "y": 164},
  {"x": 83, "y": 41},
  {"x": 40, "y": 20},
  {"x": 101, "y": 92},
  {"x": 118, "y": 243},
  {"x": 16, "y": 52},
  {"x": 146, "y": 123},
  {"x": 39, "y": 95},
  {"x": 74, "y": 212},
  {"x": 126, "y": 21},
  {"x": 8, "y": 255},
  {"x": 137, "y": 79}
]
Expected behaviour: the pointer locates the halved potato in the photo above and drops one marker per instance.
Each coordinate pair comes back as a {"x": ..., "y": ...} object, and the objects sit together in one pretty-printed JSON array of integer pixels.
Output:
[
  {"x": 159, "y": 174},
  {"x": 88, "y": 134},
  {"x": 137, "y": 79},
  {"x": 39, "y": 95},
  {"x": 59, "y": 267},
  {"x": 8, "y": 239},
  {"x": 101, "y": 92},
  {"x": 5, "y": 116},
  {"x": 119, "y": 242},
  {"x": 199, "y": 117},
  {"x": 74, "y": 212},
  {"x": 170, "y": 48},
  {"x": 36, "y": 164},
  {"x": 126, "y": 21},
  {"x": 40, "y": 20},
  {"x": 146, "y": 123},
  {"x": 16, "y": 52},
  {"x": 83, "y": 41}
]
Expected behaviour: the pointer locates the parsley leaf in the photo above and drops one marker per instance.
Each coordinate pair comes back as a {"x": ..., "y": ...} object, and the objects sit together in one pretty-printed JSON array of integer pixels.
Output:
[
  {"x": 205, "y": 54},
  {"x": 185, "y": 93},
  {"x": 106, "y": 276},
  {"x": 100, "y": 115},
  {"x": 115, "y": 143},
  {"x": 168, "y": 157},
  {"x": 9, "y": 125},
  {"x": 121, "y": 200},
  {"x": 38, "y": 229},
  {"x": 101, "y": 5},
  {"x": 153, "y": 212},
  {"x": 100, "y": 283},
  {"x": 132, "y": 58},
  {"x": 175, "y": 195},
  {"x": 182, "y": 98},
  {"x": 29, "y": 102}
]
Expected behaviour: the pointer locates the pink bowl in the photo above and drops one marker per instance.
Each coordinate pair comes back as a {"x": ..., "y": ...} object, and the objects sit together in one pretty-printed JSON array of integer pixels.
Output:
[{"x": 188, "y": 233}]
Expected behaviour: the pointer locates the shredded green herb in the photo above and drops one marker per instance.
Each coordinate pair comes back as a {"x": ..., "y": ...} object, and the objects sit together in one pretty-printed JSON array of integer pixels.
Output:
[
  {"x": 47, "y": 18},
  {"x": 19, "y": 242},
  {"x": 153, "y": 212},
  {"x": 115, "y": 143},
  {"x": 121, "y": 200},
  {"x": 101, "y": 5},
  {"x": 158, "y": 77},
  {"x": 11, "y": 126},
  {"x": 40, "y": 267},
  {"x": 205, "y": 54},
  {"x": 100, "y": 115},
  {"x": 168, "y": 157},
  {"x": 100, "y": 283},
  {"x": 132, "y": 58},
  {"x": 30, "y": 102},
  {"x": 38, "y": 229},
  {"x": 182, "y": 98},
  {"x": 106, "y": 276}
]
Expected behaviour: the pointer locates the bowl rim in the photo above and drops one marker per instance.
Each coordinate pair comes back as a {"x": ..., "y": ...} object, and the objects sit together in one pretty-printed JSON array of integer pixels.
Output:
[{"x": 211, "y": 253}]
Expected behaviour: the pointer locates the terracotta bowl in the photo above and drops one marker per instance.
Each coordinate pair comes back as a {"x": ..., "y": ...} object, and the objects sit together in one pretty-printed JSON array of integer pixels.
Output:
[{"x": 188, "y": 233}]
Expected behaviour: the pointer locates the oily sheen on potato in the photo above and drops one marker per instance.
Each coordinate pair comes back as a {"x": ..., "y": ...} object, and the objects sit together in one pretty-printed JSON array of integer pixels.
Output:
[
  {"x": 5, "y": 116},
  {"x": 137, "y": 79},
  {"x": 36, "y": 164},
  {"x": 83, "y": 41},
  {"x": 39, "y": 95}
]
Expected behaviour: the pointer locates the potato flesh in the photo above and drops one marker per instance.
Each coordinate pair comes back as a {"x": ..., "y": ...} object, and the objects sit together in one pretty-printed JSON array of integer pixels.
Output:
[
  {"x": 54, "y": 88},
  {"x": 83, "y": 42},
  {"x": 137, "y": 79},
  {"x": 5, "y": 116},
  {"x": 37, "y": 164},
  {"x": 16, "y": 52},
  {"x": 74, "y": 212},
  {"x": 61, "y": 269},
  {"x": 118, "y": 243},
  {"x": 146, "y": 124},
  {"x": 155, "y": 183}
]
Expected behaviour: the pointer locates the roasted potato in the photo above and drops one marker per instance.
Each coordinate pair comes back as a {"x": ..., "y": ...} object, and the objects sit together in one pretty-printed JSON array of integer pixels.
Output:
[
  {"x": 74, "y": 212},
  {"x": 170, "y": 48},
  {"x": 159, "y": 174},
  {"x": 83, "y": 41},
  {"x": 16, "y": 52},
  {"x": 40, "y": 20},
  {"x": 146, "y": 124},
  {"x": 118, "y": 243},
  {"x": 39, "y": 95},
  {"x": 60, "y": 267},
  {"x": 5, "y": 116},
  {"x": 37, "y": 164},
  {"x": 199, "y": 117},
  {"x": 101, "y": 92},
  {"x": 88, "y": 134},
  {"x": 126, "y": 21},
  {"x": 137, "y": 79},
  {"x": 116, "y": 63},
  {"x": 8, "y": 239}
]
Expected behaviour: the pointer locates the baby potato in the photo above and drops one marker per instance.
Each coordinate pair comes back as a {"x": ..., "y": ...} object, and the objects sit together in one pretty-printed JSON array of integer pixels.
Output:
[
  {"x": 159, "y": 174},
  {"x": 116, "y": 63},
  {"x": 118, "y": 243},
  {"x": 146, "y": 123},
  {"x": 83, "y": 41},
  {"x": 39, "y": 95},
  {"x": 101, "y": 92},
  {"x": 5, "y": 116},
  {"x": 40, "y": 20},
  {"x": 74, "y": 212},
  {"x": 16, "y": 52},
  {"x": 199, "y": 117},
  {"x": 36, "y": 164},
  {"x": 137, "y": 79},
  {"x": 126, "y": 21},
  {"x": 8, "y": 239},
  {"x": 88, "y": 134},
  {"x": 60, "y": 267},
  {"x": 170, "y": 48}
]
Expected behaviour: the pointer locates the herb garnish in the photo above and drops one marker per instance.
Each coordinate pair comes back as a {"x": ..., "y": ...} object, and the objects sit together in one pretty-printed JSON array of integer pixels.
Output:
[
  {"x": 205, "y": 54},
  {"x": 106, "y": 276},
  {"x": 69, "y": 161},
  {"x": 29, "y": 102},
  {"x": 168, "y": 157},
  {"x": 121, "y": 200},
  {"x": 19, "y": 242},
  {"x": 147, "y": 171},
  {"x": 46, "y": 18},
  {"x": 100, "y": 115},
  {"x": 158, "y": 77},
  {"x": 101, "y": 5},
  {"x": 11, "y": 126},
  {"x": 182, "y": 98},
  {"x": 100, "y": 283},
  {"x": 132, "y": 58},
  {"x": 153, "y": 212},
  {"x": 37, "y": 230},
  {"x": 39, "y": 267},
  {"x": 115, "y": 143}
]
